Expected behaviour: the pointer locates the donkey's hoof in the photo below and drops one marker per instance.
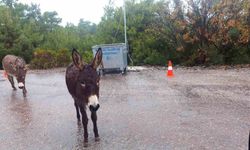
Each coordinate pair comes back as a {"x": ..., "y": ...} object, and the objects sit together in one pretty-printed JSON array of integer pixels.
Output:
[
  {"x": 79, "y": 123},
  {"x": 97, "y": 139},
  {"x": 85, "y": 144},
  {"x": 78, "y": 119}
]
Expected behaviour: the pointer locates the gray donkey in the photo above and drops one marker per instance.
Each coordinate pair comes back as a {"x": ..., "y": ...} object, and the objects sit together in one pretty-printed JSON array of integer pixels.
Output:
[
  {"x": 15, "y": 67},
  {"x": 83, "y": 84}
]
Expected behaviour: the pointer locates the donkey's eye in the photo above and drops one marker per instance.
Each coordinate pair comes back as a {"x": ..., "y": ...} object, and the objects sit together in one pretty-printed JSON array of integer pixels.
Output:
[{"x": 83, "y": 84}]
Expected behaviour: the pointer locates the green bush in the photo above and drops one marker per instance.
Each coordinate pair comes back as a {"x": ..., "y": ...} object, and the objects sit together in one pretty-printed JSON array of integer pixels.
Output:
[
  {"x": 87, "y": 56},
  {"x": 155, "y": 58},
  {"x": 240, "y": 56},
  {"x": 2, "y": 54},
  {"x": 214, "y": 57},
  {"x": 62, "y": 58},
  {"x": 43, "y": 59}
]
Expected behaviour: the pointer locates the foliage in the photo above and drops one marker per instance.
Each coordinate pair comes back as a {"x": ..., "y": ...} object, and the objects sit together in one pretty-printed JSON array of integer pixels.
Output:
[
  {"x": 2, "y": 54},
  {"x": 217, "y": 26},
  {"x": 62, "y": 58},
  {"x": 195, "y": 32},
  {"x": 87, "y": 56},
  {"x": 43, "y": 59}
]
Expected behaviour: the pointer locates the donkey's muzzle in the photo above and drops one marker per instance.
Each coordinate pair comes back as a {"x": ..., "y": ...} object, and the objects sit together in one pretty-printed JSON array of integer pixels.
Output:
[
  {"x": 20, "y": 85},
  {"x": 94, "y": 108}
]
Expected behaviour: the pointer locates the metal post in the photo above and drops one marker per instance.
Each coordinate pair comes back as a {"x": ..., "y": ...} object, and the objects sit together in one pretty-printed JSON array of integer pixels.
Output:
[
  {"x": 125, "y": 28},
  {"x": 125, "y": 32}
]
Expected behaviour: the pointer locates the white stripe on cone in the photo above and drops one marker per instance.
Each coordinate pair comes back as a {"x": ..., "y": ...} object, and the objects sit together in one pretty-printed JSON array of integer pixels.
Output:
[{"x": 170, "y": 68}]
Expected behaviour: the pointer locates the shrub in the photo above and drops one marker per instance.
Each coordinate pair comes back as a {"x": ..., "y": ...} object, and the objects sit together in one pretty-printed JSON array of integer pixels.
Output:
[
  {"x": 240, "y": 56},
  {"x": 155, "y": 58},
  {"x": 43, "y": 59},
  {"x": 87, "y": 56},
  {"x": 62, "y": 58},
  {"x": 2, "y": 54}
]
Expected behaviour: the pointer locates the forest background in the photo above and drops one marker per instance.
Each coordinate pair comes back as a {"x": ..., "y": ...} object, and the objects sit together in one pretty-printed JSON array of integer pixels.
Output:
[{"x": 192, "y": 32}]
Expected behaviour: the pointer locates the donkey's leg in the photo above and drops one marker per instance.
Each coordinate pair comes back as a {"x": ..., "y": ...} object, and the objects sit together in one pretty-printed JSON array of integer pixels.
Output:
[
  {"x": 249, "y": 142},
  {"x": 24, "y": 91},
  {"x": 12, "y": 82},
  {"x": 77, "y": 112},
  {"x": 94, "y": 119},
  {"x": 85, "y": 123}
]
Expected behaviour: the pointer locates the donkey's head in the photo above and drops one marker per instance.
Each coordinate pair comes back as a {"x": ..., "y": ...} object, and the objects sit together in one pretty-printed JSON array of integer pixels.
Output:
[
  {"x": 21, "y": 70},
  {"x": 87, "y": 86}
]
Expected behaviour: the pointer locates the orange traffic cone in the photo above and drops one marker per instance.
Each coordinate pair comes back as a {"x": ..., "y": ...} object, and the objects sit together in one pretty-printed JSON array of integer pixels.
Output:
[{"x": 170, "y": 69}]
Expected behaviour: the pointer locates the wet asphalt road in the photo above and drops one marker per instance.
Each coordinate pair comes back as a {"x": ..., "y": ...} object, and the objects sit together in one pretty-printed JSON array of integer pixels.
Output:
[{"x": 196, "y": 109}]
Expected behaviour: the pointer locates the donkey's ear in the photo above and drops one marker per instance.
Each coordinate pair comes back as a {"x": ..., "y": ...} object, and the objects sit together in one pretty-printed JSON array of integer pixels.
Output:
[
  {"x": 98, "y": 58},
  {"x": 77, "y": 59}
]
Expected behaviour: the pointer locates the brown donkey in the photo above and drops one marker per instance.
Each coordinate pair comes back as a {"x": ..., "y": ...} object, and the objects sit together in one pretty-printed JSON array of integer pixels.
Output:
[
  {"x": 83, "y": 84},
  {"x": 15, "y": 67}
]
